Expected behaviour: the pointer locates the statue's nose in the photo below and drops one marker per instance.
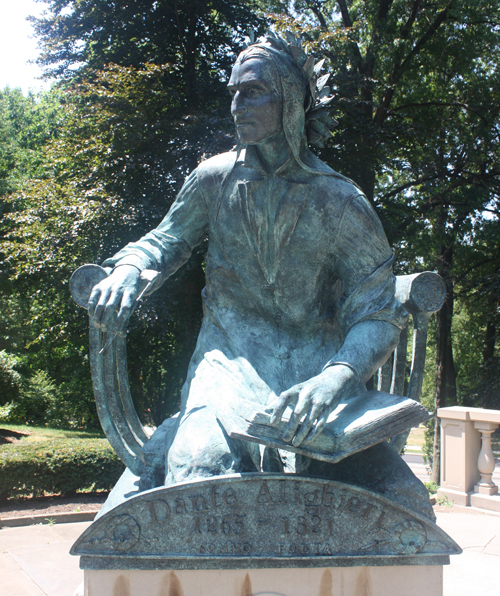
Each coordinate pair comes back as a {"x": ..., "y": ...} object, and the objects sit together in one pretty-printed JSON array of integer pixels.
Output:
[{"x": 238, "y": 105}]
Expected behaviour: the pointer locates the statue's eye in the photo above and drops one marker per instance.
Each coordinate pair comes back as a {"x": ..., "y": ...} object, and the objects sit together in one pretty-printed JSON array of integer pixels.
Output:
[{"x": 254, "y": 92}]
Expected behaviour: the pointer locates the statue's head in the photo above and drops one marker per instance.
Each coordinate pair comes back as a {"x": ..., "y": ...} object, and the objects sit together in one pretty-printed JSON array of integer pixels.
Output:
[{"x": 276, "y": 90}]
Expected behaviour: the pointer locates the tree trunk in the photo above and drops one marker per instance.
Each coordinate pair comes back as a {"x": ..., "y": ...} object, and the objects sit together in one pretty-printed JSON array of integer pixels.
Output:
[
  {"x": 489, "y": 341},
  {"x": 487, "y": 399},
  {"x": 446, "y": 387}
]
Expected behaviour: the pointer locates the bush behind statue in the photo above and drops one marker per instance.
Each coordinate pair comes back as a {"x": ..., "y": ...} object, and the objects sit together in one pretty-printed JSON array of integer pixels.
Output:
[{"x": 59, "y": 466}]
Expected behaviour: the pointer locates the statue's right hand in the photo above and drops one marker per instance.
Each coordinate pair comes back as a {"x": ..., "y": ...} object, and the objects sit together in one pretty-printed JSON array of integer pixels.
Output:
[{"x": 112, "y": 301}]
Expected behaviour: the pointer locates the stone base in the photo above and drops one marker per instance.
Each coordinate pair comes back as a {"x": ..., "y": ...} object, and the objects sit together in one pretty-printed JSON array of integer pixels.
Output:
[
  {"x": 457, "y": 496},
  {"x": 486, "y": 489},
  {"x": 491, "y": 502},
  {"x": 351, "y": 581}
]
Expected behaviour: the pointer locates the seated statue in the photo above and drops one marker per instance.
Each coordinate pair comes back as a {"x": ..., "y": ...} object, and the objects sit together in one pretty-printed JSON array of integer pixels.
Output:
[{"x": 299, "y": 304}]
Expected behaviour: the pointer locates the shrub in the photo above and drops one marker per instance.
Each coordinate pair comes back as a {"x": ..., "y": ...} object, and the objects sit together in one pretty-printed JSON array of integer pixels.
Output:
[
  {"x": 59, "y": 466},
  {"x": 35, "y": 399},
  {"x": 10, "y": 379}
]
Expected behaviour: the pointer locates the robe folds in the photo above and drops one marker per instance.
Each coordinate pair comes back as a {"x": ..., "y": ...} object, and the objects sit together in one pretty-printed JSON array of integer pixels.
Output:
[{"x": 294, "y": 260}]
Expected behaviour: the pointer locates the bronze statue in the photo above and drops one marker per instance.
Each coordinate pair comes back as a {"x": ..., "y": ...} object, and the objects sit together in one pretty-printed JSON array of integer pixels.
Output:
[{"x": 299, "y": 303}]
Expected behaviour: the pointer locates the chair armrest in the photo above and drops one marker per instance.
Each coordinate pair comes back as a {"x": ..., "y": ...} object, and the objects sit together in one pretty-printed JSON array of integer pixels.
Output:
[{"x": 421, "y": 292}]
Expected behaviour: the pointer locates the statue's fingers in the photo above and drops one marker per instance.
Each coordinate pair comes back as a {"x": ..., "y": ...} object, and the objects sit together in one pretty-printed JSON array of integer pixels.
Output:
[
  {"x": 126, "y": 309},
  {"x": 111, "y": 311},
  {"x": 100, "y": 307},
  {"x": 307, "y": 424},
  {"x": 303, "y": 430},
  {"x": 303, "y": 404},
  {"x": 318, "y": 427},
  {"x": 280, "y": 404}
]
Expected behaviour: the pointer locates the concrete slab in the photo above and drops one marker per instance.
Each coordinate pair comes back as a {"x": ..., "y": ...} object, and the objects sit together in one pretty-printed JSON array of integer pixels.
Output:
[
  {"x": 26, "y": 536},
  {"x": 493, "y": 547},
  {"x": 472, "y": 573},
  {"x": 35, "y": 560},
  {"x": 70, "y": 531},
  {"x": 471, "y": 529},
  {"x": 475, "y": 571},
  {"x": 50, "y": 567},
  {"x": 14, "y": 580}
]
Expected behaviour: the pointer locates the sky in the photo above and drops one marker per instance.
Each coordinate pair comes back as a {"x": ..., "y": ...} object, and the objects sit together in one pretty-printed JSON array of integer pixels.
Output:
[{"x": 17, "y": 45}]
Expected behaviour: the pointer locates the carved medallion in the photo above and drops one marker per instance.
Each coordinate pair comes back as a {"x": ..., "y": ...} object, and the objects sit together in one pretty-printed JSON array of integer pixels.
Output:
[
  {"x": 409, "y": 537},
  {"x": 123, "y": 532}
]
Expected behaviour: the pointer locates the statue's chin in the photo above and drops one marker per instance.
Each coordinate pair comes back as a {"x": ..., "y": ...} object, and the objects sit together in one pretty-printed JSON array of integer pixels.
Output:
[{"x": 246, "y": 138}]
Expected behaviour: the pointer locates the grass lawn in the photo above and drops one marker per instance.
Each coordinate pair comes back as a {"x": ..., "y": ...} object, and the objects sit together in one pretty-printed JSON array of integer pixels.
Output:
[
  {"x": 24, "y": 433},
  {"x": 416, "y": 440}
]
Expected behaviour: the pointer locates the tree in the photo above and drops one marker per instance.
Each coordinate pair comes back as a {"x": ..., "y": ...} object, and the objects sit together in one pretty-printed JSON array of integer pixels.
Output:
[
  {"x": 194, "y": 37},
  {"x": 132, "y": 131},
  {"x": 418, "y": 108}
]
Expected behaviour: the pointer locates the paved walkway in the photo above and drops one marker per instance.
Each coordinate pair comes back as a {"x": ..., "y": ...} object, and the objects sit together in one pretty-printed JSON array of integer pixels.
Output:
[{"x": 34, "y": 560}]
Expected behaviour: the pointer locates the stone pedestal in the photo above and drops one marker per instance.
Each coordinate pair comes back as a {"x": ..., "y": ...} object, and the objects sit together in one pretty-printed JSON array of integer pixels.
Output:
[
  {"x": 260, "y": 535},
  {"x": 351, "y": 581},
  {"x": 460, "y": 446}
]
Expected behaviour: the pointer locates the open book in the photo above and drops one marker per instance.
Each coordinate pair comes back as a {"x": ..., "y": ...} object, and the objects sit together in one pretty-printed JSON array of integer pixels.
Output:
[{"x": 356, "y": 424}]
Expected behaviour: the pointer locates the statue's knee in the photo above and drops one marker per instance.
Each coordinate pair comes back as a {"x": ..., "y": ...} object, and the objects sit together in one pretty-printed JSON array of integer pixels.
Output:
[{"x": 188, "y": 460}]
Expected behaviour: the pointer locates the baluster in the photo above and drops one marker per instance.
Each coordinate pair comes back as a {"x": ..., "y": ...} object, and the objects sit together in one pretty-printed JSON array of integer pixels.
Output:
[{"x": 486, "y": 459}]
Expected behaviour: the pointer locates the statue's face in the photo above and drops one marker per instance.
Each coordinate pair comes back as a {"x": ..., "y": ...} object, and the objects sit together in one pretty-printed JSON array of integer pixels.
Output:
[{"x": 256, "y": 105}]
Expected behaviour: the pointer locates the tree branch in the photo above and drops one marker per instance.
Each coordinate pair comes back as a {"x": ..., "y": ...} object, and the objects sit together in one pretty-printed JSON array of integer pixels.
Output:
[
  {"x": 438, "y": 198},
  {"x": 440, "y": 19},
  {"x": 407, "y": 185},
  {"x": 313, "y": 6},
  {"x": 346, "y": 18},
  {"x": 476, "y": 266},
  {"x": 405, "y": 30},
  {"x": 398, "y": 70}
]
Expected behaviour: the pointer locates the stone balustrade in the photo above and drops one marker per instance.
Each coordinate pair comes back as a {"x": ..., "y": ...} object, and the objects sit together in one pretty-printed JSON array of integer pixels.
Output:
[{"x": 467, "y": 459}]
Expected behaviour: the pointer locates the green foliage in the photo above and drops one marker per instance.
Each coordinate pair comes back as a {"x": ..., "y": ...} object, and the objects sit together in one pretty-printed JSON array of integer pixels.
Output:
[
  {"x": 10, "y": 379},
  {"x": 432, "y": 487},
  {"x": 197, "y": 37},
  {"x": 35, "y": 399},
  {"x": 130, "y": 131},
  {"x": 443, "y": 501},
  {"x": 26, "y": 124},
  {"x": 111, "y": 150},
  {"x": 34, "y": 433},
  {"x": 59, "y": 466}
]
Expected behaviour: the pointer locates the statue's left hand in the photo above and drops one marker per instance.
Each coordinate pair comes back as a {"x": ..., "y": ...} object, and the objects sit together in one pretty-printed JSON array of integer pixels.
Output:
[{"x": 314, "y": 401}]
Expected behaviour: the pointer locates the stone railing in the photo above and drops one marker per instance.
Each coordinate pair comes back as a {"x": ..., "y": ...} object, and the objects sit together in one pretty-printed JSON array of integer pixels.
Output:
[{"x": 467, "y": 459}]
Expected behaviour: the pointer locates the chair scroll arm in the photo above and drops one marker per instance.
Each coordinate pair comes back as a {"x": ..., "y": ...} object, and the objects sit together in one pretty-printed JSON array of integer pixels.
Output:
[{"x": 115, "y": 407}]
